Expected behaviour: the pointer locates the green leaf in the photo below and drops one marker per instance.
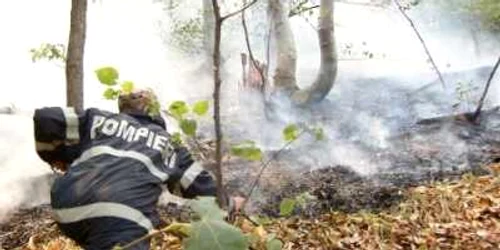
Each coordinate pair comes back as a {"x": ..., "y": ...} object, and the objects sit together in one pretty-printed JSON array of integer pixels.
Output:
[
  {"x": 290, "y": 132},
  {"x": 272, "y": 243},
  {"x": 287, "y": 206},
  {"x": 211, "y": 232},
  {"x": 247, "y": 150},
  {"x": 207, "y": 207},
  {"x": 178, "y": 109},
  {"x": 188, "y": 127},
  {"x": 127, "y": 87},
  {"x": 319, "y": 133},
  {"x": 111, "y": 94},
  {"x": 107, "y": 75},
  {"x": 200, "y": 108},
  {"x": 208, "y": 234},
  {"x": 176, "y": 139},
  {"x": 153, "y": 108}
]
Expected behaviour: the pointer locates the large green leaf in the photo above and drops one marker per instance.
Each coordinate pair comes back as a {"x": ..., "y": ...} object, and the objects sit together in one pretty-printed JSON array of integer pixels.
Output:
[
  {"x": 200, "y": 108},
  {"x": 178, "y": 109},
  {"x": 107, "y": 75},
  {"x": 272, "y": 243},
  {"x": 247, "y": 150},
  {"x": 188, "y": 127},
  {"x": 290, "y": 132},
  {"x": 211, "y": 232}
]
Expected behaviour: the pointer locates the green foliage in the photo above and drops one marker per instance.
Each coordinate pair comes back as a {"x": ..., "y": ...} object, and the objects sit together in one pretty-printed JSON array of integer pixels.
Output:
[
  {"x": 188, "y": 126},
  {"x": 488, "y": 11},
  {"x": 49, "y": 52},
  {"x": 211, "y": 232},
  {"x": 127, "y": 87},
  {"x": 107, "y": 75},
  {"x": 178, "y": 109},
  {"x": 291, "y": 132},
  {"x": 111, "y": 94},
  {"x": 176, "y": 139},
  {"x": 287, "y": 206},
  {"x": 272, "y": 243},
  {"x": 247, "y": 150},
  {"x": 200, "y": 108},
  {"x": 319, "y": 134}
]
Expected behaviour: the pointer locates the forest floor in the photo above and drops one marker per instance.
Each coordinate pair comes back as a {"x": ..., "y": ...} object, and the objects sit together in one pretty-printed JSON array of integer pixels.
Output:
[{"x": 457, "y": 213}]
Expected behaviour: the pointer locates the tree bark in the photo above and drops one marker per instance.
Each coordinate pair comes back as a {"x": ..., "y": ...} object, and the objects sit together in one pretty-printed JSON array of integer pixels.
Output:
[
  {"x": 286, "y": 62},
  {"x": 74, "y": 60},
  {"x": 286, "y": 51},
  {"x": 221, "y": 197},
  {"x": 329, "y": 58}
]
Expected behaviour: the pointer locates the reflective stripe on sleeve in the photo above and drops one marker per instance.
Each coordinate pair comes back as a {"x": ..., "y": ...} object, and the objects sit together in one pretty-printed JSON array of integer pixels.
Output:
[
  {"x": 102, "y": 150},
  {"x": 102, "y": 209},
  {"x": 44, "y": 146},
  {"x": 72, "y": 124},
  {"x": 190, "y": 175}
]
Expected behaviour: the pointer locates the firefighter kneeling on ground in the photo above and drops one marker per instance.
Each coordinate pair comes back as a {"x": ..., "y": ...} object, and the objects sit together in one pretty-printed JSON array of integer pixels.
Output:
[{"x": 114, "y": 167}]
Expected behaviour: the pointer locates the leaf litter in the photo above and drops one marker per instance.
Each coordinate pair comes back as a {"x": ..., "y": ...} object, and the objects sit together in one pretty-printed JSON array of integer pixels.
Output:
[{"x": 458, "y": 214}]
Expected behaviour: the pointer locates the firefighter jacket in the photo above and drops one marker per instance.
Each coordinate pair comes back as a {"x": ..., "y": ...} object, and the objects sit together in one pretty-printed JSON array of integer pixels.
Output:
[{"x": 117, "y": 164}]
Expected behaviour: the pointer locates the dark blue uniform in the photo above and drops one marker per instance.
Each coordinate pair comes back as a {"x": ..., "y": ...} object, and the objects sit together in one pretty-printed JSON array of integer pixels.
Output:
[{"x": 118, "y": 163}]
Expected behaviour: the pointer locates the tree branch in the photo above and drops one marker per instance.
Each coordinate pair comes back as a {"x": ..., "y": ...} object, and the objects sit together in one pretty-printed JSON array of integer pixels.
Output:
[
  {"x": 249, "y": 47},
  {"x": 402, "y": 10},
  {"x": 266, "y": 164},
  {"x": 298, "y": 12},
  {"x": 238, "y": 11},
  {"x": 483, "y": 97}
]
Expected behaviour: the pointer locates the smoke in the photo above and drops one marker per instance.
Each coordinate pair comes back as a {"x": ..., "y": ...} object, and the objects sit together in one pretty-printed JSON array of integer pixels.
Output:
[{"x": 371, "y": 100}]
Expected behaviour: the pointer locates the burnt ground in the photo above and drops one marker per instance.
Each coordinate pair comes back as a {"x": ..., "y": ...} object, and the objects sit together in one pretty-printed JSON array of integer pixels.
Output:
[{"x": 422, "y": 155}]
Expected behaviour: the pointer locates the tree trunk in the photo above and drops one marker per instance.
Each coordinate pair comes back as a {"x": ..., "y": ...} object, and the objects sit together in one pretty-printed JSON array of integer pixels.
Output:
[
  {"x": 286, "y": 63},
  {"x": 74, "y": 60},
  {"x": 286, "y": 51}
]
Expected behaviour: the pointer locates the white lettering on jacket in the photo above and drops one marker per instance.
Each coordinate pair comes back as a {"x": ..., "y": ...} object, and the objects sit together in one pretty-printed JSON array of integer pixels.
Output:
[{"x": 124, "y": 130}]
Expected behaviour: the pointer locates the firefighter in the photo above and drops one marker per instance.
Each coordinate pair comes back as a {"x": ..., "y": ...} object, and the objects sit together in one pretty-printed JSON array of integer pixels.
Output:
[{"x": 114, "y": 166}]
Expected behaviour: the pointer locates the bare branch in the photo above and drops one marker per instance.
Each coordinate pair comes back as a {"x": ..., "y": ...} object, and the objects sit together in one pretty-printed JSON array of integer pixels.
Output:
[
  {"x": 238, "y": 11},
  {"x": 298, "y": 12},
  {"x": 266, "y": 164},
  {"x": 402, "y": 10},
  {"x": 483, "y": 97},
  {"x": 249, "y": 47}
]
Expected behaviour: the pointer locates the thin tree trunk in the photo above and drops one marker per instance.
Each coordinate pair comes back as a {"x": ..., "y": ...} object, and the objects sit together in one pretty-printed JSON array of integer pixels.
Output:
[
  {"x": 217, "y": 86},
  {"x": 74, "y": 60},
  {"x": 485, "y": 92}
]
